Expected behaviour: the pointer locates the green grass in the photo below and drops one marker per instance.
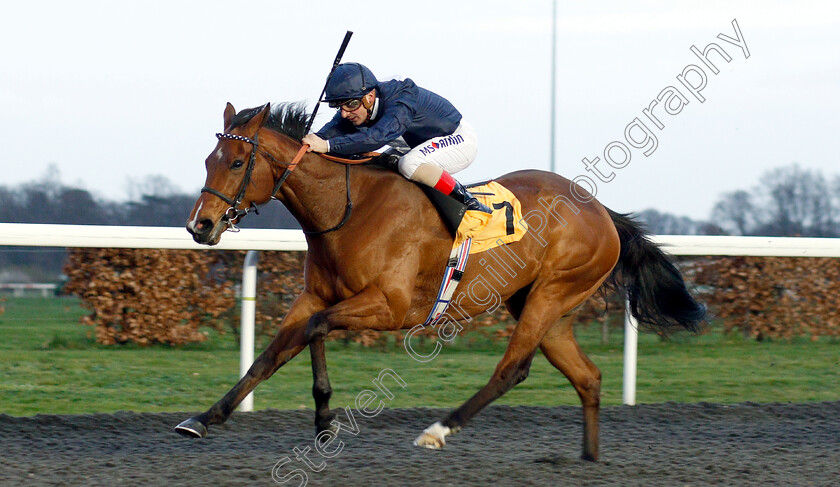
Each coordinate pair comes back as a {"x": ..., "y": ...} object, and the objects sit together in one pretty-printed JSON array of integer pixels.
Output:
[{"x": 50, "y": 364}]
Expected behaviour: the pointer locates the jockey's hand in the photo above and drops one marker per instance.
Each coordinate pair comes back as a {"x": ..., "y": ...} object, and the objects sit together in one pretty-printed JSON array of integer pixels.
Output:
[{"x": 316, "y": 144}]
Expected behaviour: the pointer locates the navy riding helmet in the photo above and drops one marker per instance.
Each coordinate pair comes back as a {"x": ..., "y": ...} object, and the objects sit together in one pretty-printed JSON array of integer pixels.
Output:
[{"x": 349, "y": 81}]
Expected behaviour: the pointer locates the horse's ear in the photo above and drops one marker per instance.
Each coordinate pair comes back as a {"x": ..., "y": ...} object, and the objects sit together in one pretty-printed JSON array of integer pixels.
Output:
[
  {"x": 229, "y": 113},
  {"x": 259, "y": 119}
]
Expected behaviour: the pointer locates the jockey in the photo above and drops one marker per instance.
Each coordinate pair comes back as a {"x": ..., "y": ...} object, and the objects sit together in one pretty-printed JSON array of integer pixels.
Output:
[{"x": 372, "y": 114}]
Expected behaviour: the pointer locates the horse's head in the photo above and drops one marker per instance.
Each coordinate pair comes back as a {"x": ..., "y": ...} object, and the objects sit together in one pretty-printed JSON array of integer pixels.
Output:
[{"x": 238, "y": 176}]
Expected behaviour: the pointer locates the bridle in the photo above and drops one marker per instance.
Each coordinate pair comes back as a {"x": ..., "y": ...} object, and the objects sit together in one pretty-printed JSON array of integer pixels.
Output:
[{"x": 234, "y": 212}]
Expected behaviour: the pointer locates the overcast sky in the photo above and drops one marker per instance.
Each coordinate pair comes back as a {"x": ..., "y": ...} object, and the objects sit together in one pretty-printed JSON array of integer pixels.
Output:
[{"x": 111, "y": 92}]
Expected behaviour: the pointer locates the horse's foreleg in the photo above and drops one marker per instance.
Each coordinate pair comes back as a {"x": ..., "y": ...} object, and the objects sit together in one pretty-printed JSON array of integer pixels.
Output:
[
  {"x": 321, "y": 390},
  {"x": 364, "y": 311},
  {"x": 562, "y": 350},
  {"x": 288, "y": 342}
]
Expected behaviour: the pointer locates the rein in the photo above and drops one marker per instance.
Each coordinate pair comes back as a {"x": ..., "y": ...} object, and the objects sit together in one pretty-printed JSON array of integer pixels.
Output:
[{"x": 234, "y": 212}]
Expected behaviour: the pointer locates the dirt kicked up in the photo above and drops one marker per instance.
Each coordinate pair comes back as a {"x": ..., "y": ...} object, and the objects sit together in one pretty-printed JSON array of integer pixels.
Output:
[{"x": 662, "y": 444}]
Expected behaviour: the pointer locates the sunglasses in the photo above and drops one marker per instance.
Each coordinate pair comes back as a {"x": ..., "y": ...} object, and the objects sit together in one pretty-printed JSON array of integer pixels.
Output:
[{"x": 347, "y": 105}]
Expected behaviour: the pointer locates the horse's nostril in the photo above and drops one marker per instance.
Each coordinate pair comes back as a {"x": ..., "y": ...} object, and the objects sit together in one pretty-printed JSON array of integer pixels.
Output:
[
  {"x": 201, "y": 227},
  {"x": 204, "y": 225}
]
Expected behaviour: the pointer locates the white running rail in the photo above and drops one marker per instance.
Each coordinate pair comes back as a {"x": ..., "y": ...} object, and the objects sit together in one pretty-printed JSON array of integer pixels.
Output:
[{"x": 40, "y": 235}]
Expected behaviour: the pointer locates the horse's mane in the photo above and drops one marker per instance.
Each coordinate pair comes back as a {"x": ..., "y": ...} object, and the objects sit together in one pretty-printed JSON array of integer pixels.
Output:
[{"x": 289, "y": 118}]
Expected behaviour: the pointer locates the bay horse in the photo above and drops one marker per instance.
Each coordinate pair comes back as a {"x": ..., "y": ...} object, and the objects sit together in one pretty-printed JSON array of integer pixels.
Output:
[{"x": 376, "y": 264}]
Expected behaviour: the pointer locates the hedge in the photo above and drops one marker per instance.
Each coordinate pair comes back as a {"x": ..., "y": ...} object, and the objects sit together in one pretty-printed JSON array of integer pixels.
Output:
[{"x": 169, "y": 296}]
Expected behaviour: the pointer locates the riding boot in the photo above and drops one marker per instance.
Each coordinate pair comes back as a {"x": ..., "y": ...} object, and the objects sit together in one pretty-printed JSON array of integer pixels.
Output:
[
  {"x": 388, "y": 161},
  {"x": 460, "y": 193},
  {"x": 450, "y": 187}
]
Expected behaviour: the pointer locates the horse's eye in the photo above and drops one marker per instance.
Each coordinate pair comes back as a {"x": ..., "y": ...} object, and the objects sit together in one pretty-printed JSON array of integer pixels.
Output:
[{"x": 237, "y": 164}]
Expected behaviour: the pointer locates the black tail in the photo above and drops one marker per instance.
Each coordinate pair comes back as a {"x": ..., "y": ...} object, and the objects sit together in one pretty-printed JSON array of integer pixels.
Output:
[{"x": 656, "y": 289}]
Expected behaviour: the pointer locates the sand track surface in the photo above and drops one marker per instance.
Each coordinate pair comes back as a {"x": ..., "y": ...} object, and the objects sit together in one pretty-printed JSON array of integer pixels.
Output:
[{"x": 661, "y": 444}]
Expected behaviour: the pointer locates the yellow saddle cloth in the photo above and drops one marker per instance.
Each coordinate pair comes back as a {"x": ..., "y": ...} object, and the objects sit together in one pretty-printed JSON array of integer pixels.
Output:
[{"x": 503, "y": 226}]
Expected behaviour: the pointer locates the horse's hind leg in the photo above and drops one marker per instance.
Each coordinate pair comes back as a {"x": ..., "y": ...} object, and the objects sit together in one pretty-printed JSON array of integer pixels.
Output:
[
  {"x": 540, "y": 312},
  {"x": 561, "y": 349}
]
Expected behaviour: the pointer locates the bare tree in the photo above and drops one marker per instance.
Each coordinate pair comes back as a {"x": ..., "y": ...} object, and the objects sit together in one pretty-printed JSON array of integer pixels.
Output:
[
  {"x": 661, "y": 223},
  {"x": 796, "y": 202},
  {"x": 735, "y": 211},
  {"x": 157, "y": 185},
  {"x": 788, "y": 201}
]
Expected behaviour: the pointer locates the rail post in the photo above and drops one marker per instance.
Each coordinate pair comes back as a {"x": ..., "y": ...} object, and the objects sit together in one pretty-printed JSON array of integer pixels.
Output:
[
  {"x": 248, "y": 317},
  {"x": 631, "y": 346}
]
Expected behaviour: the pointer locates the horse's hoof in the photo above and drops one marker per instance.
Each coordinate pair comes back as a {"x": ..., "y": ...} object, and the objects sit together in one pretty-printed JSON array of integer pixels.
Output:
[
  {"x": 433, "y": 437},
  {"x": 192, "y": 428},
  {"x": 332, "y": 427},
  {"x": 327, "y": 423}
]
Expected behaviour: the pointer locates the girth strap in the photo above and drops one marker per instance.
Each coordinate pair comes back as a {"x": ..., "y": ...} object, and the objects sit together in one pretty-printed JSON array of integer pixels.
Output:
[{"x": 348, "y": 208}]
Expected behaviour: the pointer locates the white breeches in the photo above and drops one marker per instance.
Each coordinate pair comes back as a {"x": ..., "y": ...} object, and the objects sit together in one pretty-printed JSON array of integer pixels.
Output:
[{"x": 452, "y": 153}]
